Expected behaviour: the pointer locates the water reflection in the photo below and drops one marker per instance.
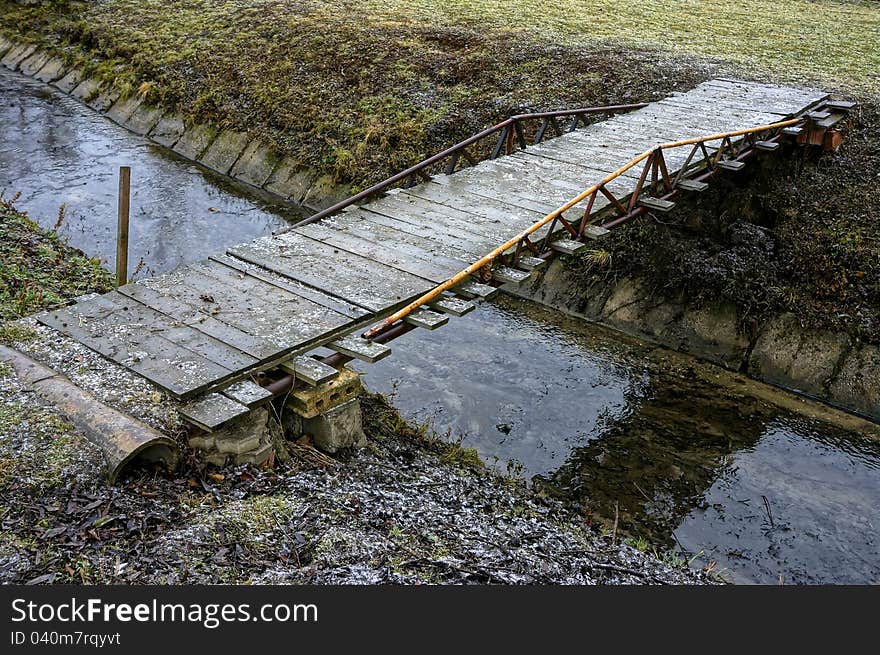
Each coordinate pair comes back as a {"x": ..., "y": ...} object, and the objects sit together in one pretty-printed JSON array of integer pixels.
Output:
[
  {"x": 611, "y": 427},
  {"x": 54, "y": 151}
]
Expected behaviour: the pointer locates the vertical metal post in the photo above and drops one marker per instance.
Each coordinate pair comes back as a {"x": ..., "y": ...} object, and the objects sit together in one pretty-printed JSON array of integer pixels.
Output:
[{"x": 122, "y": 226}]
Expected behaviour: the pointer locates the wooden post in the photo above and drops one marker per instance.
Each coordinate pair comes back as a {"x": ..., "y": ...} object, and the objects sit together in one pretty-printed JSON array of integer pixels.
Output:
[{"x": 122, "y": 226}]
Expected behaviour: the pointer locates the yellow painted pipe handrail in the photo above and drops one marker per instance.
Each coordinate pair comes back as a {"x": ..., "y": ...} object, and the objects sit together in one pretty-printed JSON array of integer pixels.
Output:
[{"x": 473, "y": 268}]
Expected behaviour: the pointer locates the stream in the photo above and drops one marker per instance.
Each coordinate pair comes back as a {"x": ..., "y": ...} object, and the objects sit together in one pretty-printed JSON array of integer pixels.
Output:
[{"x": 604, "y": 423}]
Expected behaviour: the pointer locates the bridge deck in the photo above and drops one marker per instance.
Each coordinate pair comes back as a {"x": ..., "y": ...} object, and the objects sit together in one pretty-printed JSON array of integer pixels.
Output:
[{"x": 206, "y": 325}]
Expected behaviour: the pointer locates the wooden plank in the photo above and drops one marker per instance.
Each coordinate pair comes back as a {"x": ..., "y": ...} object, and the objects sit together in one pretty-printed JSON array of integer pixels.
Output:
[
  {"x": 366, "y": 351},
  {"x": 425, "y": 318},
  {"x": 398, "y": 256},
  {"x": 212, "y": 411},
  {"x": 194, "y": 317},
  {"x": 572, "y": 167},
  {"x": 538, "y": 175},
  {"x": 247, "y": 393},
  {"x": 690, "y": 118},
  {"x": 292, "y": 286},
  {"x": 511, "y": 217},
  {"x": 730, "y": 164},
  {"x": 677, "y": 119},
  {"x": 567, "y": 246},
  {"x": 768, "y": 146},
  {"x": 103, "y": 324},
  {"x": 596, "y": 232},
  {"x": 843, "y": 105},
  {"x": 437, "y": 233},
  {"x": 419, "y": 205},
  {"x": 377, "y": 228},
  {"x": 310, "y": 370},
  {"x": 452, "y": 305},
  {"x": 531, "y": 263},
  {"x": 574, "y": 179},
  {"x": 692, "y": 185},
  {"x": 357, "y": 279},
  {"x": 471, "y": 289},
  {"x": 519, "y": 189},
  {"x": 759, "y": 92},
  {"x": 741, "y": 108},
  {"x": 129, "y": 312},
  {"x": 286, "y": 320},
  {"x": 511, "y": 275},
  {"x": 657, "y": 204}
]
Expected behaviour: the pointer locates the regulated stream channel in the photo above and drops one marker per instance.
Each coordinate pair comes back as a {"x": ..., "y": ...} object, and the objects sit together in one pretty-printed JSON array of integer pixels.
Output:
[{"x": 685, "y": 455}]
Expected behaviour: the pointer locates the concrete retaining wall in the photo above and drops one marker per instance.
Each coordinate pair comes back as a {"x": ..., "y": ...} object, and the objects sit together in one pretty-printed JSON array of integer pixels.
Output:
[
  {"x": 227, "y": 152},
  {"x": 829, "y": 366}
]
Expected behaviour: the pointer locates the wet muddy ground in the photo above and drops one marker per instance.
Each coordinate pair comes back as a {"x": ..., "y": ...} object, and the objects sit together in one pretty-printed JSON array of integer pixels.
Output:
[{"x": 683, "y": 457}]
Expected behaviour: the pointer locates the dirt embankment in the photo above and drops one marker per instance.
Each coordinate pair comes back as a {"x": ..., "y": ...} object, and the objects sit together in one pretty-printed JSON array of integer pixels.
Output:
[{"x": 773, "y": 271}]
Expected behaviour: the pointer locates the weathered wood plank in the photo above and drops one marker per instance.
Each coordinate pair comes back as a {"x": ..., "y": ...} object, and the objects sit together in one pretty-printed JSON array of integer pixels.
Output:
[
  {"x": 357, "y": 279},
  {"x": 194, "y": 317},
  {"x": 531, "y": 263},
  {"x": 505, "y": 187},
  {"x": 471, "y": 289},
  {"x": 437, "y": 233},
  {"x": 103, "y": 324},
  {"x": 212, "y": 411},
  {"x": 480, "y": 207},
  {"x": 567, "y": 246},
  {"x": 247, "y": 393},
  {"x": 408, "y": 259},
  {"x": 259, "y": 309},
  {"x": 419, "y": 206},
  {"x": 383, "y": 229},
  {"x": 425, "y": 318},
  {"x": 511, "y": 275},
  {"x": 452, "y": 305},
  {"x": 330, "y": 302},
  {"x": 359, "y": 348},
  {"x": 310, "y": 370}
]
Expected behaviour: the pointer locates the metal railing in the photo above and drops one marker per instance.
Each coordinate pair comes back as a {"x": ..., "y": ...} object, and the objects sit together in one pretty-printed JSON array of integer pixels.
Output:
[
  {"x": 661, "y": 180},
  {"x": 511, "y": 136}
]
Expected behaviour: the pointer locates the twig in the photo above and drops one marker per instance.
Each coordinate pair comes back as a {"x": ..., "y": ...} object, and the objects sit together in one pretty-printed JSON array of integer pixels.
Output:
[
  {"x": 769, "y": 513},
  {"x": 616, "y": 518}
]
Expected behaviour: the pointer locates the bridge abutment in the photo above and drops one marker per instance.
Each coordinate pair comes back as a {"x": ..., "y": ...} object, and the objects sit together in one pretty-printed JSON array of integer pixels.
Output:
[{"x": 329, "y": 414}]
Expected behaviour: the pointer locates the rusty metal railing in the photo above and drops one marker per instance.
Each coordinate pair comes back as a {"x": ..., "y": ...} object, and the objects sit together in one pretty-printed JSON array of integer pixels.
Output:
[
  {"x": 511, "y": 136},
  {"x": 655, "y": 166}
]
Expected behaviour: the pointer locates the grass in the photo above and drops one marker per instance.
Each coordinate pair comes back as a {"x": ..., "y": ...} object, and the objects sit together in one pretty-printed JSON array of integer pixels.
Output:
[
  {"x": 830, "y": 42},
  {"x": 38, "y": 270}
]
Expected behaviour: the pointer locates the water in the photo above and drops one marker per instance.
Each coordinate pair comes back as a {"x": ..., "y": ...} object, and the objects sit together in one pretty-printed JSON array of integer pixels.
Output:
[
  {"x": 682, "y": 455},
  {"x": 56, "y": 152}
]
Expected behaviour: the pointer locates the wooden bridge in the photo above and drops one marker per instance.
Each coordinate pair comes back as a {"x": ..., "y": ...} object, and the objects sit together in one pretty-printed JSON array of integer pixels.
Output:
[{"x": 225, "y": 334}]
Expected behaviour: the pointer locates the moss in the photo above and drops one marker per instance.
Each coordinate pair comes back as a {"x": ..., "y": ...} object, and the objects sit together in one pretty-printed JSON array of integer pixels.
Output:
[
  {"x": 41, "y": 459},
  {"x": 38, "y": 270}
]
